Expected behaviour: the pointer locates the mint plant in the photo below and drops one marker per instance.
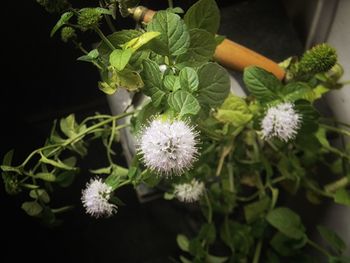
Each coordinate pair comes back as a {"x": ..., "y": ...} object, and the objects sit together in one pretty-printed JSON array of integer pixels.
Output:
[{"x": 232, "y": 157}]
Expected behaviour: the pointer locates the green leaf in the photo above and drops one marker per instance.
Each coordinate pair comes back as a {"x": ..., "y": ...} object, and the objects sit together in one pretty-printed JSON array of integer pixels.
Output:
[
  {"x": 255, "y": 210},
  {"x": 40, "y": 194},
  {"x": 171, "y": 83},
  {"x": 54, "y": 163},
  {"x": 295, "y": 90},
  {"x": 202, "y": 48},
  {"x": 183, "y": 103},
  {"x": 235, "y": 111},
  {"x": 7, "y": 160},
  {"x": 65, "y": 178},
  {"x": 152, "y": 78},
  {"x": 104, "y": 170},
  {"x": 309, "y": 117},
  {"x": 342, "y": 196},
  {"x": 49, "y": 177},
  {"x": 215, "y": 259},
  {"x": 32, "y": 208},
  {"x": 204, "y": 14},
  {"x": 188, "y": 79},
  {"x": 119, "y": 58},
  {"x": 182, "y": 242},
  {"x": 103, "y": 11},
  {"x": 139, "y": 41},
  {"x": 332, "y": 238},
  {"x": 90, "y": 57},
  {"x": 128, "y": 79},
  {"x": 207, "y": 233},
  {"x": 118, "y": 38},
  {"x": 287, "y": 222},
  {"x": 185, "y": 260},
  {"x": 7, "y": 168},
  {"x": 262, "y": 84},
  {"x": 108, "y": 88},
  {"x": 342, "y": 259},
  {"x": 214, "y": 84},
  {"x": 285, "y": 246},
  {"x": 64, "y": 19},
  {"x": 69, "y": 126},
  {"x": 174, "y": 39}
]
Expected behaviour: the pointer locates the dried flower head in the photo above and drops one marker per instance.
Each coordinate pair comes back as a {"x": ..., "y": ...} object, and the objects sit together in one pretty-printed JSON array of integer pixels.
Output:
[
  {"x": 95, "y": 199},
  {"x": 189, "y": 192},
  {"x": 281, "y": 121},
  {"x": 168, "y": 146}
]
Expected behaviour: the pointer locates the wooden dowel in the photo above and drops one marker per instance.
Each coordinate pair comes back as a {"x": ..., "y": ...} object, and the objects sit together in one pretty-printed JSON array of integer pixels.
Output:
[{"x": 228, "y": 53}]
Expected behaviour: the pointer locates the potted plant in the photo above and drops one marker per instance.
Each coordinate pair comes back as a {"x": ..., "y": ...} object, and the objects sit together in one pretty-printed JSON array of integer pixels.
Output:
[{"x": 233, "y": 159}]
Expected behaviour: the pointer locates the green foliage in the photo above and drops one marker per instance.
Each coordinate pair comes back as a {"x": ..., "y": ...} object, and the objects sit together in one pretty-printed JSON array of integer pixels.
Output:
[{"x": 170, "y": 60}]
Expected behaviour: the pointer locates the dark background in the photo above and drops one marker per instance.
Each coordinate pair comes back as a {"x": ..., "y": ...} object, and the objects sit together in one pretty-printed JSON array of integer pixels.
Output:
[{"x": 43, "y": 82}]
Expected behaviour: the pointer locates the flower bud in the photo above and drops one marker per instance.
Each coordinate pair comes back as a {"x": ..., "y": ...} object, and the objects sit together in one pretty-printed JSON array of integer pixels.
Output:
[
  {"x": 89, "y": 18},
  {"x": 68, "y": 33}
]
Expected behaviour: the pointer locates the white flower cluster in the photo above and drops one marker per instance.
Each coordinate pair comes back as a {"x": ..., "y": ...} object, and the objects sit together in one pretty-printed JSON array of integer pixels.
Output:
[
  {"x": 168, "y": 147},
  {"x": 95, "y": 198},
  {"x": 189, "y": 192},
  {"x": 281, "y": 121}
]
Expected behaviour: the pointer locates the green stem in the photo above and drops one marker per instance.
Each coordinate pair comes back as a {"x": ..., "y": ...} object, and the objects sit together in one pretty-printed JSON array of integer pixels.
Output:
[
  {"x": 36, "y": 152},
  {"x": 248, "y": 198},
  {"x": 62, "y": 209},
  {"x": 170, "y": 3},
  {"x": 257, "y": 252},
  {"x": 110, "y": 142},
  {"x": 104, "y": 38},
  {"x": 210, "y": 209},
  {"x": 334, "y": 186},
  {"x": 319, "y": 248},
  {"x": 103, "y": 4},
  {"x": 335, "y": 129},
  {"x": 337, "y": 152},
  {"x": 335, "y": 121}
]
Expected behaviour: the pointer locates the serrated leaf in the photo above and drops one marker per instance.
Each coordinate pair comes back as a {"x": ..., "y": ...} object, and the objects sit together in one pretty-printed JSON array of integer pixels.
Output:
[
  {"x": 171, "y": 83},
  {"x": 295, "y": 90},
  {"x": 119, "y": 58},
  {"x": 287, "y": 222},
  {"x": 188, "y": 79},
  {"x": 152, "y": 78},
  {"x": 234, "y": 110},
  {"x": 204, "y": 14},
  {"x": 183, "y": 103},
  {"x": 262, "y": 84},
  {"x": 32, "y": 208},
  {"x": 332, "y": 238},
  {"x": 136, "y": 43},
  {"x": 183, "y": 242},
  {"x": 214, "y": 84},
  {"x": 49, "y": 177},
  {"x": 174, "y": 38},
  {"x": 40, "y": 194},
  {"x": 63, "y": 19},
  {"x": 202, "y": 48}
]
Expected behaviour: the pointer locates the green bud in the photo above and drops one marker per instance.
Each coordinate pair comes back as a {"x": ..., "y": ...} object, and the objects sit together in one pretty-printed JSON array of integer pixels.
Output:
[
  {"x": 89, "y": 18},
  {"x": 12, "y": 186},
  {"x": 68, "y": 33},
  {"x": 54, "y": 6},
  {"x": 320, "y": 58}
]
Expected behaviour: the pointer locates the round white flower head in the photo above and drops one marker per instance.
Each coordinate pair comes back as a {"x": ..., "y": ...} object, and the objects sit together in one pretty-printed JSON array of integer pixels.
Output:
[
  {"x": 189, "y": 192},
  {"x": 95, "y": 199},
  {"x": 163, "y": 68},
  {"x": 281, "y": 121},
  {"x": 168, "y": 146}
]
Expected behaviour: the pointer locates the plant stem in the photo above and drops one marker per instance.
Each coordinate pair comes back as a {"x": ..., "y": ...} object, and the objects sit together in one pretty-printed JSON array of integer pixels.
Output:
[
  {"x": 257, "y": 252},
  {"x": 334, "y": 186},
  {"x": 103, "y": 4},
  {"x": 319, "y": 248},
  {"x": 62, "y": 209},
  {"x": 104, "y": 38},
  {"x": 37, "y": 151},
  {"x": 335, "y": 129},
  {"x": 210, "y": 209},
  {"x": 111, "y": 139},
  {"x": 170, "y": 3}
]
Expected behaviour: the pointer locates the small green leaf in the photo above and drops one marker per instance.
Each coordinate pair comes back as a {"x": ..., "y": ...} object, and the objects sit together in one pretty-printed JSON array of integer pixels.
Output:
[
  {"x": 119, "y": 58},
  {"x": 65, "y": 178},
  {"x": 188, "y": 79},
  {"x": 234, "y": 110},
  {"x": 54, "y": 163},
  {"x": 174, "y": 38},
  {"x": 215, "y": 259},
  {"x": 204, "y": 14},
  {"x": 7, "y": 160},
  {"x": 40, "y": 194},
  {"x": 107, "y": 87},
  {"x": 262, "y": 84},
  {"x": 90, "y": 57},
  {"x": 295, "y": 91},
  {"x": 342, "y": 196},
  {"x": 7, "y": 168},
  {"x": 214, "y": 84},
  {"x": 135, "y": 43},
  {"x": 104, "y": 170},
  {"x": 171, "y": 83},
  {"x": 168, "y": 196},
  {"x": 183, "y": 243},
  {"x": 49, "y": 177},
  {"x": 332, "y": 238},
  {"x": 152, "y": 78},
  {"x": 32, "y": 208},
  {"x": 254, "y": 210},
  {"x": 201, "y": 49},
  {"x": 64, "y": 19},
  {"x": 128, "y": 79},
  {"x": 183, "y": 103},
  {"x": 68, "y": 126},
  {"x": 287, "y": 222}
]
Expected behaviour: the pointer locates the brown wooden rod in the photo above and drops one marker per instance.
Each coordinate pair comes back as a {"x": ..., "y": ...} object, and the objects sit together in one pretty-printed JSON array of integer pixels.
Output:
[{"x": 228, "y": 53}]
